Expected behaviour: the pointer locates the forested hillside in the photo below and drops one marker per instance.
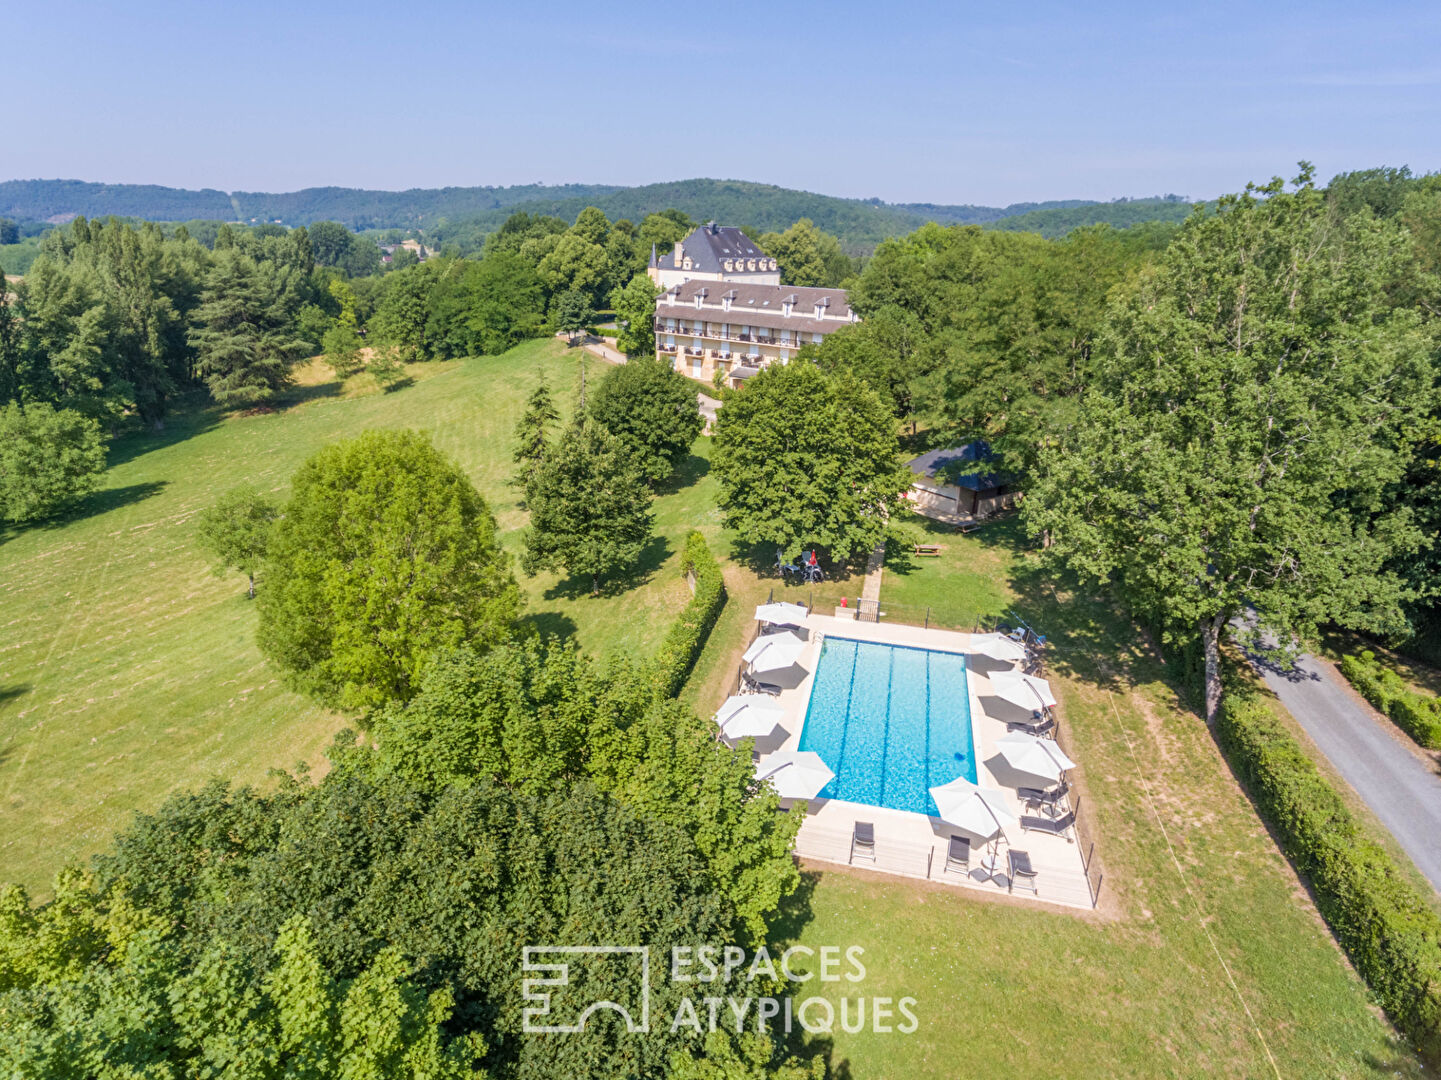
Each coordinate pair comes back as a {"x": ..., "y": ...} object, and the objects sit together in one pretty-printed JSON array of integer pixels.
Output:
[
  {"x": 1057, "y": 221},
  {"x": 466, "y": 215}
]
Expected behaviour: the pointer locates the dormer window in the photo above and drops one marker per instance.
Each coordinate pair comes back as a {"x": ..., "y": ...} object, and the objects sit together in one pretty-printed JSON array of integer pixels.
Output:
[
  {"x": 687, "y": 263},
  {"x": 730, "y": 265},
  {"x": 788, "y": 303},
  {"x": 750, "y": 264},
  {"x": 726, "y": 300}
]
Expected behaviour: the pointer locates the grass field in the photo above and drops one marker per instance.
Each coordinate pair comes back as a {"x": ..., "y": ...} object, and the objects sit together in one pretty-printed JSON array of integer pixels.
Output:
[
  {"x": 1206, "y": 957},
  {"x": 127, "y": 670}
]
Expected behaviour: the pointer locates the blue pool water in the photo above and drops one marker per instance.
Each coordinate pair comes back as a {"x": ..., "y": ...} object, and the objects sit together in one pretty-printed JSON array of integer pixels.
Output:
[{"x": 890, "y": 721}]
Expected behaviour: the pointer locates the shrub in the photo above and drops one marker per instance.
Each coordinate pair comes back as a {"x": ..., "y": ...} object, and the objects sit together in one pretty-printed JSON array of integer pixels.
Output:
[
  {"x": 1382, "y": 921},
  {"x": 678, "y": 653},
  {"x": 1416, "y": 714}
]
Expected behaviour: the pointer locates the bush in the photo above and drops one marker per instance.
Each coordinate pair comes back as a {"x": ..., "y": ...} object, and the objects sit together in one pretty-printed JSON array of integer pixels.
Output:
[
  {"x": 682, "y": 646},
  {"x": 1416, "y": 714},
  {"x": 1391, "y": 934}
]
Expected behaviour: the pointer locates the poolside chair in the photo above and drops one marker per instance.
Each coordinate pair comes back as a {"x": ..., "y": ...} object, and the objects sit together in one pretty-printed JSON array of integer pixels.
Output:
[
  {"x": 1060, "y": 826},
  {"x": 1044, "y": 726},
  {"x": 863, "y": 841},
  {"x": 1050, "y": 798},
  {"x": 1020, "y": 867},
  {"x": 958, "y": 855},
  {"x": 754, "y": 686}
]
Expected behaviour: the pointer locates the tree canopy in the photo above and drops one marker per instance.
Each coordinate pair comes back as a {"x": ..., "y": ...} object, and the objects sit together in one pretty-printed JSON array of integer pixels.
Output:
[
  {"x": 373, "y": 924},
  {"x": 1235, "y": 450},
  {"x": 590, "y": 507},
  {"x": 385, "y": 554},
  {"x": 236, "y": 531},
  {"x": 48, "y": 458},
  {"x": 808, "y": 458},
  {"x": 652, "y": 410}
]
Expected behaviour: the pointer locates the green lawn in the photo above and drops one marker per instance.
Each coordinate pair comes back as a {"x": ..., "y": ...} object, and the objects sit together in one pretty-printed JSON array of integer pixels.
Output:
[
  {"x": 1206, "y": 954},
  {"x": 127, "y": 670}
]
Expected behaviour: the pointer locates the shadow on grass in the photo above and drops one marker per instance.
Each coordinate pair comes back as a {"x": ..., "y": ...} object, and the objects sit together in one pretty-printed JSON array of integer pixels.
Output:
[
  {"x": 185, "y": 423},
  {"x": 551, "y": 624},
  {"x": 10, "y": 693},
  {"x": 102, "y": 502},
  {"x": 579, "y": 587},
  {"x": 92, "y": 505},
  {"x": 786, "y": 928},
  {"x": 760, "y": 559},
  {"x": 689, "y": 470},
  {"x": 304, "y": 395}
]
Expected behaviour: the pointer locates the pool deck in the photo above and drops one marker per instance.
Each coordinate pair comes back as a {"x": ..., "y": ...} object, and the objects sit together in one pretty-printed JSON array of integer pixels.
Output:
[{"x": 914, "y": 845}]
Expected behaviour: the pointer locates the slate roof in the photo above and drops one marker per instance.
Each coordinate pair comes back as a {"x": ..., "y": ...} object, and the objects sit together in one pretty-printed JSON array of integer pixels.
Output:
[
  {"x": 756, "y": 305},
  {"x": 709, "y": 244},
  {"x": 932, "y": 463}
]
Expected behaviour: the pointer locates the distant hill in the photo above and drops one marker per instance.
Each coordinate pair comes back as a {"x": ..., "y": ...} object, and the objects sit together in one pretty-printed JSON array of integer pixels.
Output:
[
  {"x": 860, "y": 223},
  {"x": 1121, "y": 214}
]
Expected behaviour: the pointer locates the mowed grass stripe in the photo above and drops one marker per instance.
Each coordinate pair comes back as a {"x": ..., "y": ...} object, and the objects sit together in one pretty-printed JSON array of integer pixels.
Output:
[{"x": 128, "y": 671}]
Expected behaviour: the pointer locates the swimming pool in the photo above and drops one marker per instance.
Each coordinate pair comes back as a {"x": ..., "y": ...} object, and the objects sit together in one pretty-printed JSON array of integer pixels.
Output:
[{"x": 891, "y": 722}]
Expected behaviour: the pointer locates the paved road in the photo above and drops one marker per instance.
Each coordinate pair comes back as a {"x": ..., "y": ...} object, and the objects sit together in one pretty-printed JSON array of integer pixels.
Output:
[{"x": 1393, "y": 781}]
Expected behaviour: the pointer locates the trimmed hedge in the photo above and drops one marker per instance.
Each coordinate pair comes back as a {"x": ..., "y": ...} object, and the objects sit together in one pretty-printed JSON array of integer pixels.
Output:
[
  {"x": 1416, "y": 714},
  {"x": 682, "y": 646},
  {"x": 1391, "y": 934}
]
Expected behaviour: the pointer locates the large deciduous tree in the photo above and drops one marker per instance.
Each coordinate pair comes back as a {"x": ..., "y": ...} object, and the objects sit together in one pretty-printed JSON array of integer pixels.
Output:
[
  {"x": 808, "y": 458},
  {"x": 635, "y": 314},
  {"x": 590, "y": 507},
  {"x": 48, "y": 458},
  {"x": 1244, "y": 426},
  {"x": 652, "y": 410},
  {"x": 571, "y": 313},
  {"x": 386, "y": 553},
  {"x": 806, "y": 256}
]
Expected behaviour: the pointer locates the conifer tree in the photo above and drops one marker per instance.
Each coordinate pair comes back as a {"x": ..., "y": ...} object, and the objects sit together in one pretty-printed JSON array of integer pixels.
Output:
[
  {"x": 244, "y": 333},
  {"x": 590, "y": 511},
  {"x": 532, "y": 435}
]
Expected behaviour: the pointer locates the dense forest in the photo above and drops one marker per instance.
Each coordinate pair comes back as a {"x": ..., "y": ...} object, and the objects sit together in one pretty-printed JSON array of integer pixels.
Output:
[
  {"x": 467, "y": 214},
  {"x": 1057, "y": 221}
]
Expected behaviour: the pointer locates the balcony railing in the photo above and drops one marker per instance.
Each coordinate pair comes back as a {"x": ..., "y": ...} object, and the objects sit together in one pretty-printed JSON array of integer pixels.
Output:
[{"x": 716, "y": 335}]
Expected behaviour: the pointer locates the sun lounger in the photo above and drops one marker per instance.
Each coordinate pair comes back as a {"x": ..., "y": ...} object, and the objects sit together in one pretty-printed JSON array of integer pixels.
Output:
[
  {"x": 1039, "y": 727},
  {"x": 863, "y": 841},
  {"x": 1020, "y": 866},
  {"x": 755, "y": 686},
  {"x": 958, "y": 855},
  {"x": 1039, "y": 797},
  {"x": 1054, "y": 826}
]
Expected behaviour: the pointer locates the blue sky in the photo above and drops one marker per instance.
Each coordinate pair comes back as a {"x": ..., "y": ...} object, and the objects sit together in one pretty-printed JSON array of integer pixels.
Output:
[{"x": 948, "y": 102}]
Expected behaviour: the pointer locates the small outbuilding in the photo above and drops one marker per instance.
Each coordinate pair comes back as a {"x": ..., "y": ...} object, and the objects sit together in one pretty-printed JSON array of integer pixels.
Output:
[{"x": 956, "y": 485}]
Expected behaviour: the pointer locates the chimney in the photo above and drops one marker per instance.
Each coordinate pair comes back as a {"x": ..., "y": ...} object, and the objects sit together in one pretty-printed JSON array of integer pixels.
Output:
[{"x": 678, "y": 255}]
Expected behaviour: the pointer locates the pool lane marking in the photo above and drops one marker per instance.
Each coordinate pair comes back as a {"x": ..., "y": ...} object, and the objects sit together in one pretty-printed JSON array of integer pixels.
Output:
[
  {"x": 1186, "y": 882},
  {"x": 846, "y": 716},
  {"x": 886, "y": 728}
]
